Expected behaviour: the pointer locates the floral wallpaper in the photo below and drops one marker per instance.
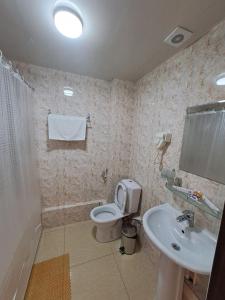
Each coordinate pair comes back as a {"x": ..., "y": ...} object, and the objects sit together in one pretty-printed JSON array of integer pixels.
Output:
[
  {"x": 161, "y": 99},
  {"x": 122, "y": 113},
  {"x": 70, "y": 172}
]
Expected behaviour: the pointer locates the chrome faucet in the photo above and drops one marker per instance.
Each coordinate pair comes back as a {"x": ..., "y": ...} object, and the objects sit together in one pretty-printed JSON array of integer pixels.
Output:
[{"x": 188, "y": 215}]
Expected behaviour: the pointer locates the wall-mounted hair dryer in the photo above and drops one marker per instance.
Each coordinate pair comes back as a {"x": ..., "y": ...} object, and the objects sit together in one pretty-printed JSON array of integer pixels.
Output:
[{"x": 162, "y": 139}]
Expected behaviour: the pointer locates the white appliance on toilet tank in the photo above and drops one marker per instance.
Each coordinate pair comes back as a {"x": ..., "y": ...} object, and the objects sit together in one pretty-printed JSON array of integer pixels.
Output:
[{"x": 108, "y": 217}]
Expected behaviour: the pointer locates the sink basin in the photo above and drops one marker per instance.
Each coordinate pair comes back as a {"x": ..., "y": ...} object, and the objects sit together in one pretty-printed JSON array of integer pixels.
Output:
[
  {"x": 189, "y": 248},
  {"x": 195, "y": 247}
]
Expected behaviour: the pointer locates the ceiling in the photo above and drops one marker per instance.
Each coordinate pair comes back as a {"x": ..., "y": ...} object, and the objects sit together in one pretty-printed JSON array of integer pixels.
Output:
[{"x": 122, "y": 38}]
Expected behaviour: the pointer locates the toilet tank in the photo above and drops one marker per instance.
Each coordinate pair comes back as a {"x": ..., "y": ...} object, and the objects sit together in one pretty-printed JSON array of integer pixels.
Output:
[{"x": 133, "y": 195}]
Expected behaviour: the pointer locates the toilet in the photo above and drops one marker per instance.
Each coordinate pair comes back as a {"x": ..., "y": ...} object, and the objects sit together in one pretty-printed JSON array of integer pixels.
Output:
[{"x": 108, "y": 217}]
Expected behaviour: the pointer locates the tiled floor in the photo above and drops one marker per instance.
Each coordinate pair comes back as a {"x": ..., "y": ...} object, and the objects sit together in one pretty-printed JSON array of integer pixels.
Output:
[{"x": 99, "y": 271}]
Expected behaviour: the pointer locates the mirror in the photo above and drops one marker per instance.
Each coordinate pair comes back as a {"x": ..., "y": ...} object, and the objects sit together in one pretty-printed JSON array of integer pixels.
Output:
[{"x": 203, "y": 146}]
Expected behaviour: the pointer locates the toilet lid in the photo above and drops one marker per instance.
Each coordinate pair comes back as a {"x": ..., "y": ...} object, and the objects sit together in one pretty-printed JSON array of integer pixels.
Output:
[{"x": 121, "y": 196}]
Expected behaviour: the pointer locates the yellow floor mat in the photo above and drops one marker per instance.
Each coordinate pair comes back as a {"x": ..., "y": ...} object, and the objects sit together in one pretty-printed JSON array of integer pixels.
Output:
[{"x": 50, "y": 280}]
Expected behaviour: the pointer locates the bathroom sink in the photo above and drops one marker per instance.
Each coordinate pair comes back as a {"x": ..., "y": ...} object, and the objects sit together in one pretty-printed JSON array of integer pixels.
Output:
[
  {"x": 182, "y": 247},
  {"x": 192, "y": 249}
]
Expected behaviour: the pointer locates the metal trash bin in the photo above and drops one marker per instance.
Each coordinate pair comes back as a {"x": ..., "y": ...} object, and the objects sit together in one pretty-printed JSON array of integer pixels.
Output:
[{"x": 128, "y": 239}]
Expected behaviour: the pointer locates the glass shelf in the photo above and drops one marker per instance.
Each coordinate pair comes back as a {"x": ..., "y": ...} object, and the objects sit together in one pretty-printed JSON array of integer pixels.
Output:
[{"x": 201, "y": 205}]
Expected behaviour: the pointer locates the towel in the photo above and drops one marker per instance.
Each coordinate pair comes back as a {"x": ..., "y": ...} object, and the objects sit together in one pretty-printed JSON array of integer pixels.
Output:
[{"x": 66, "y": 128}]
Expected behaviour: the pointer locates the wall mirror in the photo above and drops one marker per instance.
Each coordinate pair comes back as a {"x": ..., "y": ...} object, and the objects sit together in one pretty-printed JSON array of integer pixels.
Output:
[{"x": 203, "y": 146}]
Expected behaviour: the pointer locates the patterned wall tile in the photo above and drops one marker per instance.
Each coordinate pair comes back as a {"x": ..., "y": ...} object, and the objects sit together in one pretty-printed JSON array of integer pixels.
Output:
[
  {"x": 70, "y": 172},
  {"x": 162, "y": 97}
]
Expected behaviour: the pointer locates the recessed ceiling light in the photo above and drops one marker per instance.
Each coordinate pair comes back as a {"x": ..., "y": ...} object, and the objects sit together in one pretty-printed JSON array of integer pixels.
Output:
[
  {"x": 220, "y": 80},
  {"x": 68, "y": 91},
  {"x": 68, "y": 22}
]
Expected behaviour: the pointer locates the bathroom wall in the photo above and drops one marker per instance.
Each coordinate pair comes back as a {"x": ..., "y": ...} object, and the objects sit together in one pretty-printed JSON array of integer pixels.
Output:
[
  {"x": 121, "y": 126},
  {"x": 70, "y": 172},
  {"x": 161, "y": 100}
]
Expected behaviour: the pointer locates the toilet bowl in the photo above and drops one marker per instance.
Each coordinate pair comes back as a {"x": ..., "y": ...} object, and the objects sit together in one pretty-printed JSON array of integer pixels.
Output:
[
  {"x": 108, "y": 220},
  {"x": 108, "y": 217}
]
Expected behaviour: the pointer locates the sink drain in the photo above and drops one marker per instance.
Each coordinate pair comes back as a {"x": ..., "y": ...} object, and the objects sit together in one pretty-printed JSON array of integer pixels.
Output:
[{"x": 175, "y": 246}]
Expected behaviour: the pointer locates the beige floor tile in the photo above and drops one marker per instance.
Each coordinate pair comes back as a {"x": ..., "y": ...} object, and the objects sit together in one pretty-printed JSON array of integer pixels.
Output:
[
  {"x": 51, "y": 244},
  {"x": 115, "y": 245},
  {"x": 81, "y": 244},
  {"x": 97, "y": 280},
  {"x": 97, "y": 268},
  {"x": 138, "y": 274}
]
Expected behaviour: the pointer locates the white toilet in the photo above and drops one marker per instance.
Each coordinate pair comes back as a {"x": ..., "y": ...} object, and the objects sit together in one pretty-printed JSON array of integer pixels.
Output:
[{"x": 108, "y": 217}]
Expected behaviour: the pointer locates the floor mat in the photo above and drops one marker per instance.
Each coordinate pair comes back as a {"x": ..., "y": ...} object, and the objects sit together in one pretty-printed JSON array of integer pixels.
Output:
[{"x": 50, "y": 280}]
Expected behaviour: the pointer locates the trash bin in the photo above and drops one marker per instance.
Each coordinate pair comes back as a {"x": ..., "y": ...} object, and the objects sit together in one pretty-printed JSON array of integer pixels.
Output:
[{"x": 128, "y": 239}]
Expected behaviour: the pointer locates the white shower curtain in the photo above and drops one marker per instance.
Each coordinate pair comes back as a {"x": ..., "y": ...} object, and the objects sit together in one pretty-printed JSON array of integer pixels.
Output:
[{"x": 19, "y": 192}]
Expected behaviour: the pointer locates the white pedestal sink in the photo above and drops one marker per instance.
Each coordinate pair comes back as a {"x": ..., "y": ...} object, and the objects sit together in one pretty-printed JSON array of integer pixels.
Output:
[{"x": 192, "y": 249}]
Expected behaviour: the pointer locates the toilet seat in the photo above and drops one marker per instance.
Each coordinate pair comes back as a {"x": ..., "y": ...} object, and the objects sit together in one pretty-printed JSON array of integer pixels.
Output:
[
  {"x": 106, "y": 213},
  {"x": 121, "y": 197},
  {"x": 113, "y": 211}
]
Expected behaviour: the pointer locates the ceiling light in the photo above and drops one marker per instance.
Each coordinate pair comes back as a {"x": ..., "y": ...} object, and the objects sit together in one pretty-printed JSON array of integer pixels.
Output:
[
  {"x": 221, "y": 101},
  {"x": 68, "y": 91},
  {"x": 220, "y": 80},
  {"x": 68, "y": 22}
]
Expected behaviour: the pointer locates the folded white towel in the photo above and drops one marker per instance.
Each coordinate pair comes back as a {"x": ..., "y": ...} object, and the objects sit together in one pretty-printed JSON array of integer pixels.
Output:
[{"x": 66, "y": 128}]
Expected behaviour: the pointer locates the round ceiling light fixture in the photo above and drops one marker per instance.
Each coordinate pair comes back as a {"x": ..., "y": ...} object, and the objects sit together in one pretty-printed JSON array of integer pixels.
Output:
[
  {"x": 220, "y": 79},
  {"x": 67, "y": 20}
]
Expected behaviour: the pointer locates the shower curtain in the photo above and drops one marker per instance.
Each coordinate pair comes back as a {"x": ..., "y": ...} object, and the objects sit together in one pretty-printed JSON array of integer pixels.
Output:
[{"x": 20, "y": 221}]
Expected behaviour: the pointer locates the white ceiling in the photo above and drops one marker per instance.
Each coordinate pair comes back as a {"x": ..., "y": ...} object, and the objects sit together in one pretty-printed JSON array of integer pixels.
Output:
[{"x": 122, "y": 38}]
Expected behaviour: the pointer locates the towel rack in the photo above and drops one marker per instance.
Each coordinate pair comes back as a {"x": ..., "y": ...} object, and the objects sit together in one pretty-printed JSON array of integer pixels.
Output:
[{"x": 88, "y": 119}]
